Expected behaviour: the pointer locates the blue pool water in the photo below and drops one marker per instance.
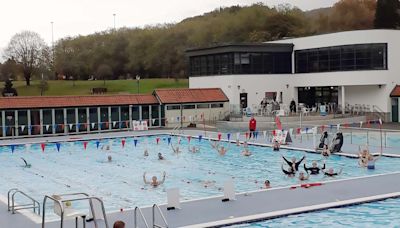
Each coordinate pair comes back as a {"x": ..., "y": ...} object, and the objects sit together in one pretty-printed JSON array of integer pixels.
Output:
[
  {"x": 120, "y": 183},
  {"x": 376, "y": 214}
]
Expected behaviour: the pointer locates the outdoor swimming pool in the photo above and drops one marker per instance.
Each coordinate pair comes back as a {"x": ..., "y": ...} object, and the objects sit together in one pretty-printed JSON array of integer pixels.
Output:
[
  {"x": 120, "y": 183},
  {"x": 384, "y": 213}
]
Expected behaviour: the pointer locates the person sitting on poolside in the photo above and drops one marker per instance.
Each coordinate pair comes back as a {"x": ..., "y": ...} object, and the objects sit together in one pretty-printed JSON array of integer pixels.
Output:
[
  {"x": 290, "y": 172},
  {"x": 160, "y": 157},
  {"x": 222, "y": 151},
  {"x": 325, "y": 151},
  {"x": 175, "y": 149},
  {"x": 331, "y": 172},
  {"x": 27, "y": 165},
  {"x": 146, "y": 153},
  {"x": 109, "y": 158},
  {"x": 303, "y": 177},
  {"x": 267, "y": 184},
  {"x": 276, "y": 146},
  {"x": 154, "y": 182},
  {"x": 294, "y": 164},
  {"x": 246, "y": 152},
  {"x": 314, "y": 169}
]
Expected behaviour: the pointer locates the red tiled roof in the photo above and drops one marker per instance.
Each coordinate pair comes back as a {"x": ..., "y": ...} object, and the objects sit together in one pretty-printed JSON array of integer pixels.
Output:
[
  {"x": 177, "y": 96},
  {"x": 395, "y": 92},
  {"x": 74, "y": 101}
]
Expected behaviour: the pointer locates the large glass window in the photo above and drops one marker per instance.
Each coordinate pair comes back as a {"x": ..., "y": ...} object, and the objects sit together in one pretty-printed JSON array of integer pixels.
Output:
[
  {"x": 47, "y": 121},
  {"x": 124, "y": 117},
  {"x": 104, "y": 121},
  {"x": 115, "y": 117},
  {"x": 82, "y": 119},
  {"x": 342, "y": 58},
  {"x": 71, "y": 120},
  {"x": 35, "y": 122},
  {"x": 135, "y": 113},
  {"x": 23, "y": 122},
  {"x": 10, "y": 123},
  {"x": 94, "y": 119},
  {"x": 241, "y": 63},
  {"x": 155, "y": 121},
  {"x": 59, "y": 121}
]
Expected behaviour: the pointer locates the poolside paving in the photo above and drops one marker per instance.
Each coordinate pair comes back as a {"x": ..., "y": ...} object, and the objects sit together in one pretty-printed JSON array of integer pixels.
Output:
[{"x": 206, "y": 212}]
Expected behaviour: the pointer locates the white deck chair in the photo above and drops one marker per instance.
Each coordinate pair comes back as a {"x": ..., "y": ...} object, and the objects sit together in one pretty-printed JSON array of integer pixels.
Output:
[
  {"x": 173, "y": 201},
  {"x": 229, "y": 191}
]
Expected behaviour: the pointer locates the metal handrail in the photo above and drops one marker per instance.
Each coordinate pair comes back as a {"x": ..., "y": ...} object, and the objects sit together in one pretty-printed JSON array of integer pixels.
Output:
[
  {"x": 12, "y": 207},
  {"x": 138, "y": 210},
  {"x": 61, "y": 205},
  {"x": 155, "y": 206}
]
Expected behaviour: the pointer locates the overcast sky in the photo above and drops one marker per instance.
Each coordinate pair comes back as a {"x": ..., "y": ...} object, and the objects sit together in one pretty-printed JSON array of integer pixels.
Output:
[{"x": 74, "y": 17}]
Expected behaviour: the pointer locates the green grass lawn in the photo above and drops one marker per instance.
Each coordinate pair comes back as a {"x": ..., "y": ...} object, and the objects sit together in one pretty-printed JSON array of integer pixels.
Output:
[{"x": 83, "y": 87}]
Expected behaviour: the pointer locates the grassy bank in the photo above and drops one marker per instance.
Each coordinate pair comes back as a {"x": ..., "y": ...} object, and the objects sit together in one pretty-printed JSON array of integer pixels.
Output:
[{"x": 84, "y": 87}]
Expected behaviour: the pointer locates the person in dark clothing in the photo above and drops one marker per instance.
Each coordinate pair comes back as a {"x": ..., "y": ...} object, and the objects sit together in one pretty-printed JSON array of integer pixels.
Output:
[
  {"x": 290, "y": 172},
  {"x": 314, "y": 169},
  {"x": 292, "y": 106},
  {"x": 332, "y": 173},
  {"x": 294, "y": 164}
]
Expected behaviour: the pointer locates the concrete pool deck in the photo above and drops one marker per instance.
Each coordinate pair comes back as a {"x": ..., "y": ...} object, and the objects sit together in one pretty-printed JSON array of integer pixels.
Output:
[{"x": 253, "y": 206}]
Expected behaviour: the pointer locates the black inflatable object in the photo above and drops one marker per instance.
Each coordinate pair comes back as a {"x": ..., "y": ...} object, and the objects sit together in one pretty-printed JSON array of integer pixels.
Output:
[
  {"x": 337, "y": 143},
  {"x": 324, "y": 136}
]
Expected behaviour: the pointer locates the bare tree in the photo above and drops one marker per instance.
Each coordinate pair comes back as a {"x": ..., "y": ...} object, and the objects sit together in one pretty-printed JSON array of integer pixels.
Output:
[{"x": 28, "y": 49}]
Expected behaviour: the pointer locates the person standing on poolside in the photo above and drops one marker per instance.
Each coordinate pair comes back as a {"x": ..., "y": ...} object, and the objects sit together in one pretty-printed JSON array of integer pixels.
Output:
[
  {"x": 154, "y": 182},
  {"x": 252, "y": 126}
]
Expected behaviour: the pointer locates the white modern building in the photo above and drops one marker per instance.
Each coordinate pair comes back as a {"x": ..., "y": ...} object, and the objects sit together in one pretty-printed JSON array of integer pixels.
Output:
[{"x": 346, "y": 68}]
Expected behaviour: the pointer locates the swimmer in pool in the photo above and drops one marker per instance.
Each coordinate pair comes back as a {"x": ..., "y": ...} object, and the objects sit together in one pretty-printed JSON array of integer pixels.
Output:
[
  {"x": 363, "y": 157},
  {"x": 290, "y": 172},
  {"x": 215, "y": 144},
  {"x": 109, "y": 158},
  {"x": 369, "y": 163},
  {"x": 27, "y": 165},
  {"x": 222, "y": 151},
  {"x": 175, "y": 149},
  {"x": 267, "y": 184},
  {"x": 325, "y": 151},
  {"x": 146, "y": 153},
  {"x": 194, "y": 149},
  {"x": 303, "y": 177},
  {"x": 331, "y": 172},
  {"x": 276, "y": 146},
  {"x": 160, "y": 157},
  {"x": 154, "y": 182},
  {"x": 105, "y": 147},
  {"x": 314, "y": 169},
  {"x": 246, "y": 152},
  {"x": 237, "y": 142},
  {"x": 294, "y": 164}
]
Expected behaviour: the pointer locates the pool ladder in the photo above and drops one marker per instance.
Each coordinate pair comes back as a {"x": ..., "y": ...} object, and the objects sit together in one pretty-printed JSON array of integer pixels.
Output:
[
  {"x": 75, "y": 197},
  {"x": 155, "y": 209},
  {"x": 35, "y": 205}
]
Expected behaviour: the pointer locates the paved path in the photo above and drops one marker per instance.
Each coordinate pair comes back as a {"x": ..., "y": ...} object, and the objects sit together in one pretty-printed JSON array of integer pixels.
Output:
[{"x": 254, "y": 205}]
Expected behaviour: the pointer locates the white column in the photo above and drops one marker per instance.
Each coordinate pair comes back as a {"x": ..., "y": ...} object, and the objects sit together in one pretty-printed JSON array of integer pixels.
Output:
[
  {"x": 109, "y": 118},
  {"x": 150, "y": 121},
  {"x": 76, "y": 120},
  {"x": 140, "y": 112},
  {"x": 98, "y": 118},
  {"x": 41, "y": 121},
  {"x": 28, "y": 113},
  {"x": 343, "y": 100},
  {"x": 130, "y": 117},
  {"x": 53, "y": 120},
  {"x": 65, "y": 121},
  {"x": 119, "y": 117},
  {"x": 16, "y": 133},
  {"x": 87, "y": 119},
  {"x": 3, "y": 122},
  {"x": 159, "y": 115}
]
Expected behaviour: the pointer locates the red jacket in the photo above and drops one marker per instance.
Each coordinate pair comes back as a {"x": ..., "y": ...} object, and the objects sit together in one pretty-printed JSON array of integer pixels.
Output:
[{"x": 252, "y": 124}]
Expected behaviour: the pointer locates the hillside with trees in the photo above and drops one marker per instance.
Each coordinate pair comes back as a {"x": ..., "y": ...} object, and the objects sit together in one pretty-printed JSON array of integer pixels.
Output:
[{"x": 159, "y": 51}]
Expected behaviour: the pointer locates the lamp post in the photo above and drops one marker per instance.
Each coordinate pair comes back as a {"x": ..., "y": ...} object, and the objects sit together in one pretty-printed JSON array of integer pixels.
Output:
[
  {"x": 114, "y": 20},
  {"x": 138, "y": 83}
]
